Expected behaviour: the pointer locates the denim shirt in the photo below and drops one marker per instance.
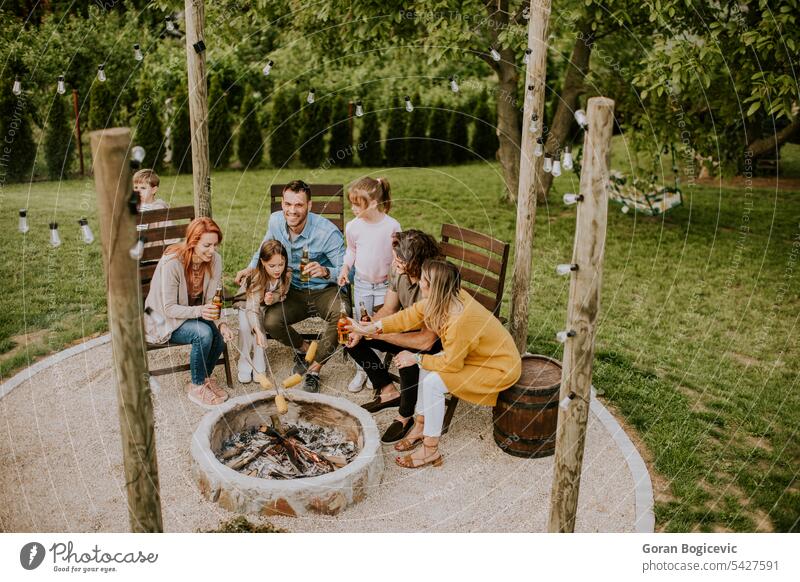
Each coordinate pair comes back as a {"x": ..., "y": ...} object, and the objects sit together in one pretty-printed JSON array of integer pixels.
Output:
[{"x": 325, "y": 246}]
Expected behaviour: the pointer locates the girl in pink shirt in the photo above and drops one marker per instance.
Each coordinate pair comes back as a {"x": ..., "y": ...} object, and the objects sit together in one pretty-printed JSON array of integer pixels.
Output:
[{"x": 369, "y": 249}]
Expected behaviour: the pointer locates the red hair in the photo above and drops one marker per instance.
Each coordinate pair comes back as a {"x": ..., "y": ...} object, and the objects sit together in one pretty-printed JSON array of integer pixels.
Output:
[{"x": 185, "y": 250}]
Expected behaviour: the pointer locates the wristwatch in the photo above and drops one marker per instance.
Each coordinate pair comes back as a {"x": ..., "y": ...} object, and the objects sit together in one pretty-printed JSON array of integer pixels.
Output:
[{"x": 418, "y": 357}]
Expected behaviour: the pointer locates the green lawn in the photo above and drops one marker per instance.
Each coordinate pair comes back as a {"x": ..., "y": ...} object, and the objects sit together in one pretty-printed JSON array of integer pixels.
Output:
[{"x": 697, "y": 346}]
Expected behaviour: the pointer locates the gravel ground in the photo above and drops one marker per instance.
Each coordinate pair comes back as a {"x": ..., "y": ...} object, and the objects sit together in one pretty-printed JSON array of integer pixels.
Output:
[{"x": 61, "y": 464}]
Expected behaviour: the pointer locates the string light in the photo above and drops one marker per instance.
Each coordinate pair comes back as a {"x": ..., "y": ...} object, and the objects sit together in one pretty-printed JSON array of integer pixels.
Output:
[
  {"x": 529, "y": 95},
  {"x": 137, "y": 250},
  {"x": 495, "y": 55},
  {"x": 527, "y": 58},
  {"x": 556, "y": 170},
  {"x": 566, "y": 269},
  {"x": 23, "y": 220},
  {"x": 16, "y": 88},
  {"x": 567, "y": 159},
  {"x": 570, "y": 199},
  {"x": 625, "y": 209},
  {"x": 538, "y": 149},
  {"x": 137, "y": 52},
  {"x": 526, "y": 12},
  {"x": 409, "y": 106},
  {"x": 534, "y": 126},
  {"x": 359, "y": 109},
  {"x": 565, "y": 402},
  {"x": 86, "y": 232},
  {"x": 311, "y": 96},
  {"x": 137, "y": 157},
  {"x": 55, "y": 239},
  {"x": 61, "y": 88},
  {"x": 453, "y": 84},
  {"x": 548, "y": 164},
  {"x": 580, "y": 117},
  {"x": 563, "y": 336},
  {"x": 101, "y": 73},
  {"x": 267, "y": 68},
  {"x": 170, "y": 24}
]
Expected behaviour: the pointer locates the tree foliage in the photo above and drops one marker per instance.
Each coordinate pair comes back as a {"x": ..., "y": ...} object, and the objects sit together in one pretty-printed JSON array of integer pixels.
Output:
[
  {"x": 59, "y": 145},
  {"x": 250, "y": 141},
  {"x": 396, "y": 149},
  {"x": 484, "y": 137},
  {"x": 419, "y": 147},
  {"x": 340, "y": 149},
  {"x": 146, "y": 124},
  {"x": 370, "y": 142},
  {"x": 438, "y": 135},
  {"x": 220, "y": 145},
  {"x": 283, "y": 132},
  {"x": 180, "y": 133}
]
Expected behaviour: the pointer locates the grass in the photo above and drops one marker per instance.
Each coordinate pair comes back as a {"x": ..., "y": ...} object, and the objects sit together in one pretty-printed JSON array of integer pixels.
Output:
[{"x": 696, "y": 348}]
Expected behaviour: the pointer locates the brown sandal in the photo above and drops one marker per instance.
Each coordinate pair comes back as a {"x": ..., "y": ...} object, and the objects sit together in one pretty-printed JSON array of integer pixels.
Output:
[
  {"x": 435, "y": 458},
  {"x": 206, "y": 399},
  {"x": 216, "y": 389}
]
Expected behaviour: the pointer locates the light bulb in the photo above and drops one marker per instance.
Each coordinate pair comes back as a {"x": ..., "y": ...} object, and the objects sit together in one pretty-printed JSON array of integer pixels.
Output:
[
  {"x": 570, "y": 199},
  {"x": 548, "y": 164},
  {"x": 359, "y": 109},
  {"x": 55, "y": 239},
  {"x": 267, "y": 68},
  {"x": 23, "y": 220},
  {"x": 567, "y": 159},
  {"x": 311, "y": 96},
  {"x": 529, "y": 95},
  {"x": 527, "y": 58},
  {"x": 137, "y": 250},
  {"x": 157, "y": 318},
  {"x": 61, "y": 88},
  {"x": 580, "y": 117},
  {"x": 538, "y": 149},
  {"x": 495, "y": 55},
  {"x": 16, "y": 89},
  {"x": 453, "y": 84},
  {"x": 526, "y": 12},
  {"x": 137, "y": 154},
  {"x": 625, "y": 209},
  {"x": 534, "y": 126},
  {"x": 563, "y": 336},
  {"x": 101, "y": 73},
  {"x": 170, "y": 24},
  {"x": 86, "y": 232},
  {"x": 556, "y": 171},
  {"x": 409, "y": 106},
  {"x": 137, "y": 52},
  {"x": 564, "y": 404},
  {"x": 566, "y": 269}
]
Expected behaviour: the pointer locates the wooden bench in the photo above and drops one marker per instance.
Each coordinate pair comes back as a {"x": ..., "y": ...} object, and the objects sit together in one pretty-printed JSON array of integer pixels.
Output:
[{"x": 170, "y": 224}]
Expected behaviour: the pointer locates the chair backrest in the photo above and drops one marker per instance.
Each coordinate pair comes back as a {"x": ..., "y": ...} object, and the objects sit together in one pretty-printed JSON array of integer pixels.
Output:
[
  {"x": 482, "y": 261},
  {"x": 326, "y": 200},
  {"x": 164, "y": 227}
]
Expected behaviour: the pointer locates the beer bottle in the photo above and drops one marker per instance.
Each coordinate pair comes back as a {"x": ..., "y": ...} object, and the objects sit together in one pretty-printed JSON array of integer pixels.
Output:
[
  {"x": 341, "y": 326},
  {"x": 364, "y": 315},
  {"x": 305, "y": 260},
  {"x": 217, "y": 300}
]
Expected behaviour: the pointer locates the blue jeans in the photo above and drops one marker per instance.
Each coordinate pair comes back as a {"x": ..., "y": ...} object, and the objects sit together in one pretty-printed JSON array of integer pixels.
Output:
[{"x": 207, "y": 345}]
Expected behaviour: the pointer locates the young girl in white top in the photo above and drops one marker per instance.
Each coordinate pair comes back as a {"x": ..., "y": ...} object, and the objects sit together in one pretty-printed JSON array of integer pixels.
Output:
[
  {"x": 267, "y": 286},
  {"x": 369, "y": 249}
]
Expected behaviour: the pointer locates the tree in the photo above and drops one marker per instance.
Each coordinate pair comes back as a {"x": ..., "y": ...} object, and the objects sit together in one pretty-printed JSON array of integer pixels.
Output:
[
  {"x": 250, "y": 142},
  {"x": 283, "y": 136},
  {"x": 370, "y": 143},
  {"x": 19, "y": 150},
  {"x": 314, "y": 120},
  {"x": 102, "y": 101},
  {"x": 484, "y": 139},
  {"x": 180, "y": 132},
  {"x": 219, "y": 126},
  {"x": 438, "y": 135},
  {"x": 418, "y": 144},
  {"x": 396, "y": 135},
  {"x": 147, "y": 125},
  {"x": 58, "y": 146},
  {"x": 340, "y": 149},
  {"x": 458, "y": 137}
]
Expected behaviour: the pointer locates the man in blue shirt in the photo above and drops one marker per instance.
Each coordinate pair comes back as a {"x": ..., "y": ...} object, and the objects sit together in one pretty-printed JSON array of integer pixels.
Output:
[{"x": 297, "y": 228}]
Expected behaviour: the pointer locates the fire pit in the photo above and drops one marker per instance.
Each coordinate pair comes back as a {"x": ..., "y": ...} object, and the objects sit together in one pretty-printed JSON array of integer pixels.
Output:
[{"x": 330, "y": 439}]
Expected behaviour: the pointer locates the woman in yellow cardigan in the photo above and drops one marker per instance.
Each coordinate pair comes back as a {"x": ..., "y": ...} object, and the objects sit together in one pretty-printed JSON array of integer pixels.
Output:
[{"x": 478, "y": 361}]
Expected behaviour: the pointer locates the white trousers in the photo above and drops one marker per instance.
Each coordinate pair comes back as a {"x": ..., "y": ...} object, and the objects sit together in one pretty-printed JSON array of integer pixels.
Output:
[
  {"x": 248, "y": 345},
  {"x": 430, "y": 402}
]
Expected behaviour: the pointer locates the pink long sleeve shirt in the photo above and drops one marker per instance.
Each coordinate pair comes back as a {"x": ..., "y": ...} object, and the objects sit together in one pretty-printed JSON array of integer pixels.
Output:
[{"x": 369, "y": 247}]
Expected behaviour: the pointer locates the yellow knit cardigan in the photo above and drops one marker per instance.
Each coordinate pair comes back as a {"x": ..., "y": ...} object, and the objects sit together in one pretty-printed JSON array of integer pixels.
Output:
[{"x": 479, "y": 357}]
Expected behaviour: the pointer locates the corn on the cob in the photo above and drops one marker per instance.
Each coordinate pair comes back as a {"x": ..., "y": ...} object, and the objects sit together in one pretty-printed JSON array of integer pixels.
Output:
[{"x": 292, "y": 380}]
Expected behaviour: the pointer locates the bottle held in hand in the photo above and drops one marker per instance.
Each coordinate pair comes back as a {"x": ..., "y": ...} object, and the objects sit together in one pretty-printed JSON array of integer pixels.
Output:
[
  {"x": 304, "y": 261},
  {"x": 364, "y": 317},
  {"x": 341, "y": 326},
  {"x": 217, "y": 301}
]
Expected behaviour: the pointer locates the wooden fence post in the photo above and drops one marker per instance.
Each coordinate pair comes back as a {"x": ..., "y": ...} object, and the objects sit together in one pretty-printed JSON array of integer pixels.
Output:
[
  {"x": 582, "y": 310},
  {"x": 530, "y": 171},
  {"x": 194, "y": 14},
  {"x": 118, "y": 234}
]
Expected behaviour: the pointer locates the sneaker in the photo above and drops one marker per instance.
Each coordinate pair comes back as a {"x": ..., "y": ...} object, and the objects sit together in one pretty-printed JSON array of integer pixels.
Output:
[
  {"x": 357, "y": 383},
  {"x": 368, "y": 384},
  {"x": 311, "y": 383},
  {"x": 300, "y": 364},
  {"x": 244, "y": 377}
]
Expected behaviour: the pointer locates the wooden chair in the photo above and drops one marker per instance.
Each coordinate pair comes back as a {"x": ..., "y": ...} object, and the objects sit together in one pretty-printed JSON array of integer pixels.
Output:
[{"x": 159, "y": 237}]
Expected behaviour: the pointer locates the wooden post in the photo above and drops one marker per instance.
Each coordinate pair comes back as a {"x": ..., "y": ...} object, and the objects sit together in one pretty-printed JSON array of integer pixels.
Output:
[
  {"x": 530, "y": 171},
  {"x": 198, "y": 106},
  {"x": 118, "y": 233},
  {"x": 78, "y": 127},
  {"x": 582, "y": 310}
]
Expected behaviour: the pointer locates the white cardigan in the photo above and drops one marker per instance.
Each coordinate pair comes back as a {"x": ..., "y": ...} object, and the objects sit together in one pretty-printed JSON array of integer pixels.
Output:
[{"x": 169, "y": 296}]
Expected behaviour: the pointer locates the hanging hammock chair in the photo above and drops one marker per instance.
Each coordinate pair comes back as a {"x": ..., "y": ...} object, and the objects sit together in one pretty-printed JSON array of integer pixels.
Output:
[{"x": 643, "y": 196}]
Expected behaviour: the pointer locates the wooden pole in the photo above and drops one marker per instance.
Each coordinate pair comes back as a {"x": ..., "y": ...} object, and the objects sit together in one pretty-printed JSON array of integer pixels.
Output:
[
  {"x": 118, "y": 233},
  {"x": 78, "y": 127},
  {"x": 198, "y": 106},
  {"x": 530, "y": 171},
  {"x": 582, "y": 310}
]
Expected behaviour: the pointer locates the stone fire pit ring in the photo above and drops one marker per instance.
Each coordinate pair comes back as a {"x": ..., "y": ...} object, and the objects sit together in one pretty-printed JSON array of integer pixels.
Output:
[{"x": 327, "y": 494}]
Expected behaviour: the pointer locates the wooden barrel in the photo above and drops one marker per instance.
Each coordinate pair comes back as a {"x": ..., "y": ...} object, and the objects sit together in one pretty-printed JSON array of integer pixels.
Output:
[{"x": 526, "y": 414}]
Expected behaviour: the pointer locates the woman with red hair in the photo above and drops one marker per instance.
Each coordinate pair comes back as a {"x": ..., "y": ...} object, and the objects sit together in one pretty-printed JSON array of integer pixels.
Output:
[{"x": 181, "y": 291}]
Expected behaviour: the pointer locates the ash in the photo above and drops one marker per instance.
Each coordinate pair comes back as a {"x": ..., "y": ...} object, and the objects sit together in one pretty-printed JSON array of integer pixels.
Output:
[{"x": 295, "y": 451}]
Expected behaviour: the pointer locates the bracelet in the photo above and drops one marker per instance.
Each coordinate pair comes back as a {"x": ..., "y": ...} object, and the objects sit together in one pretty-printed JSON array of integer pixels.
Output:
[{"x": 418, "y": 357}]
